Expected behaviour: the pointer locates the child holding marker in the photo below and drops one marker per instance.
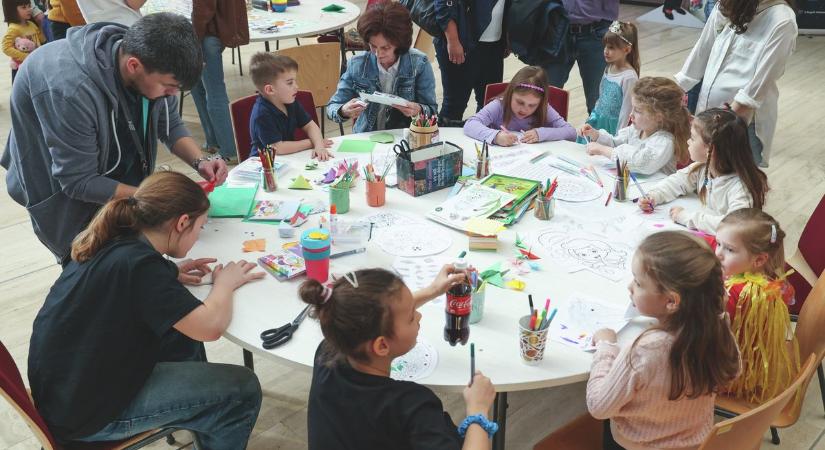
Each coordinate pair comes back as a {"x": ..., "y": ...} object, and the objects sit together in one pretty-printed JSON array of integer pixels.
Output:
[
  {"x": 749, "y": 245},
  {"x": 659, "y": 392},
  {"x": 724, "y": 174},
  {"x": 657, "y": 140},
  {"x": 522, "y": 114},
  {"x": 368, "y": 318}
]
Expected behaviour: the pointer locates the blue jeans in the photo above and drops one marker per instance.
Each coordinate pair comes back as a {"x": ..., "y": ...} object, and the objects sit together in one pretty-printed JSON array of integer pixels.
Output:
[
  {"x": 219, "y": 403},
  {"x": 587, "y": 50},
  {"x": 211, "y": 100}
]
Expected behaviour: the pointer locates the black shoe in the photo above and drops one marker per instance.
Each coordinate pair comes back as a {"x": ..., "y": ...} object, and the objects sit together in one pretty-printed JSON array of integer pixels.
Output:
[
  {"x": 668, "y": 13},
  {"x": 680, "y": 11}
]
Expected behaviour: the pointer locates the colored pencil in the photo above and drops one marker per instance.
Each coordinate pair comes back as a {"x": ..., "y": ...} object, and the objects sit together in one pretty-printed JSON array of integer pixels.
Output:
[{"x": 472, "y": 362}]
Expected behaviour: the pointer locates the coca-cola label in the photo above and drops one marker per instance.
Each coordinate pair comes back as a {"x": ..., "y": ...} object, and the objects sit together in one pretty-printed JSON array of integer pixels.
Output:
[{"x": 459, "y": 305}]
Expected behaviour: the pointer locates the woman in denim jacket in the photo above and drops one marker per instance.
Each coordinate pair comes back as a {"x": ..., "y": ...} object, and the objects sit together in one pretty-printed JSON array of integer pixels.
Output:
[{"x": 391, "y": 67}]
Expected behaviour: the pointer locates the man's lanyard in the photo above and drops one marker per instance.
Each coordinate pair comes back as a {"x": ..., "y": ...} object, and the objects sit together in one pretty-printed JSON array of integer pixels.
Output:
[{"x": 142, "y": 153}]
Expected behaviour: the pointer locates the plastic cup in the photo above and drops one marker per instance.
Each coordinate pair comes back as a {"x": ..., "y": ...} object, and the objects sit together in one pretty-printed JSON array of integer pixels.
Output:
[
  {"x": 376, "y": 193},
  {"x": 268, "y": 180},
  {"x": 545, "y": 208},
  {"x": 531, "y": 343},
  {"x": 340, "y": 198},
  {"x": 477, "y": 311},
  {"x": 315, "y": 245}
]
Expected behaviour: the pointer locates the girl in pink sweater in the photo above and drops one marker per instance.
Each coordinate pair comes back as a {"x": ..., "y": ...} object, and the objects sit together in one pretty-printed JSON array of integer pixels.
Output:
[{"x": 658, "y": 393}]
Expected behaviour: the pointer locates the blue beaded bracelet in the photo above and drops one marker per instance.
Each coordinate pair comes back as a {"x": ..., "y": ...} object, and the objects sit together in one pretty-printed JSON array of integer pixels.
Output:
[{"x": 489, "y": 426}]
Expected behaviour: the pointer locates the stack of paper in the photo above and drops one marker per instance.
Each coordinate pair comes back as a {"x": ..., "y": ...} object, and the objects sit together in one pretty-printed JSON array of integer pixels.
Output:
[
  {"x": 249, "y": 171},
  {"x": 475, "y": 201},
  {"x": 483, "y": 233}
]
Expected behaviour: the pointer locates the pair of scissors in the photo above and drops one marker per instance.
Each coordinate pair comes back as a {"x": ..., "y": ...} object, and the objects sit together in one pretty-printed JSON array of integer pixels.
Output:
[
  {"x": 402, "y": 149},
  {"x": 278, "y": 336}
]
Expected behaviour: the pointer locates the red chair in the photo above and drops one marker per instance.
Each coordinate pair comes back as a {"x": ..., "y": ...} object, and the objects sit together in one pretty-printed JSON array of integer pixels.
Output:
[
  {"x": 811, "y": 248},
  {"x": 14, "y": 391},
  {"x": 559, "y": 99},
  {"x": 241, "y": 109}
]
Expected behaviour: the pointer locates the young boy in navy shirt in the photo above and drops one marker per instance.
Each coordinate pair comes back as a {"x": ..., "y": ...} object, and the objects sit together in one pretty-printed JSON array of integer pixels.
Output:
[{"x": 276, "y": 115}]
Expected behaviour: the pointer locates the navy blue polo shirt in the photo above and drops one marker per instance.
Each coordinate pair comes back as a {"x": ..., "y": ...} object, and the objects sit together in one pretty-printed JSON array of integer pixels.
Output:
[{"x": 269, "y": 125}]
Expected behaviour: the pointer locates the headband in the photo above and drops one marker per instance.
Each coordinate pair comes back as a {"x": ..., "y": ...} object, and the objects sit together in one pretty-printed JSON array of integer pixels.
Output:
[
  {"x": 327, "y": 293},
  {"x": 616, "y": 28},
  {"x": 531, "y": 86}
]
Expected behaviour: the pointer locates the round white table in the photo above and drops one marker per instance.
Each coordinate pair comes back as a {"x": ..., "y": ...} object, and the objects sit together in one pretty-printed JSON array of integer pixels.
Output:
[
  {"x": 306, "y": 19},
  {"x": 270, "y": 303}
]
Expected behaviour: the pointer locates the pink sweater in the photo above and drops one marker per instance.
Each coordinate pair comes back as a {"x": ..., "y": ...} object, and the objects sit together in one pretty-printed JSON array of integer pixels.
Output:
[{"x": 634, "y": 396}]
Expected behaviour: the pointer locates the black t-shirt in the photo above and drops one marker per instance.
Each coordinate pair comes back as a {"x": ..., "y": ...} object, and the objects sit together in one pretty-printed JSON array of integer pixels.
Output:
[
  {"x": 97, "y": 337},
  {"x": 351, "y": 410},
  {"x": 269, "y": 125}
]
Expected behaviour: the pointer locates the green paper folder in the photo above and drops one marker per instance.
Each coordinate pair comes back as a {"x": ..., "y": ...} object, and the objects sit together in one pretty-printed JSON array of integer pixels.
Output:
[
  {"x": 356, "y": 146},
  {"x": 520, "y": 187},
  {"x": 382, "y": 138},
  {"x": 231, "y": 201}
]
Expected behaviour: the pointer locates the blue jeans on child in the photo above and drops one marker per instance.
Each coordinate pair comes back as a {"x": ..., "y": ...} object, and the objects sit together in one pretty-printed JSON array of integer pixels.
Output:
[
  {"x": 219, "y": 403},
  {"x": 211, "y": 100},
  {"x": 586, "y": 48}
]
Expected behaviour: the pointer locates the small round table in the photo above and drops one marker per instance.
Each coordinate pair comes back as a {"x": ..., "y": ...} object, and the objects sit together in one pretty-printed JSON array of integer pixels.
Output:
[
  {"x": 270, "y": 303},
  {"x": 306, "y": 19}
]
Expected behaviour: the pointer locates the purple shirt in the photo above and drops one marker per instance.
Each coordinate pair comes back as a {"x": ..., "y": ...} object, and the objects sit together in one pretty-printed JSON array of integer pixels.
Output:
[
  {"x": 589, "y": 11},
  {"x": 486, "y": 124}
]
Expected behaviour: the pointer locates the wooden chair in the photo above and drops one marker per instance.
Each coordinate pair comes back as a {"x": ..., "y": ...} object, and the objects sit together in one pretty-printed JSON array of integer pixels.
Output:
[
  {"x": 746, "y": 431},
  {"x": 559, "y": 99},
  {"x": 15, "y": 392},
  {"x": 241, "y": 109},
  {"x": 424, "y": 42},
  {"x": 811, "y": 341},
  {"x": 317, "y": 72}
]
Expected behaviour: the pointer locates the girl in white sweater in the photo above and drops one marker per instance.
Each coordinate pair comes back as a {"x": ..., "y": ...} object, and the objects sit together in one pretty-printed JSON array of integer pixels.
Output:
[{"x": 724, "y": 174}]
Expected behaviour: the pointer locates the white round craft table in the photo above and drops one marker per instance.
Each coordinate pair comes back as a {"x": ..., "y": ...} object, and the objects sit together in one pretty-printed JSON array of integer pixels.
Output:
[
  {"x": 270, "y": 303},
  {"x": 305, "y": 19}
]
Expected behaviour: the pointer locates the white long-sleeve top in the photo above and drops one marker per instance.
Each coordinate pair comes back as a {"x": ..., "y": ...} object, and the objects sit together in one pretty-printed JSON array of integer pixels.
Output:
[
  {"x": 631, "y": 388},
  {"x": 744, "y": 67},
  {"x": 645, "y": 156},
  {"x": 725, "y": 193}
]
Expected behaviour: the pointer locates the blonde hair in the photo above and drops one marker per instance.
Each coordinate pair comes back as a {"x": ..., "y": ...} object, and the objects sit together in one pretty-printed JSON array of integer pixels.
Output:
[
  {"x": 159, "y": 198},
  {"x": 663, "y": 97},
  {"x": 626, "y": 35},
  {"x": 760, "y": 233}
]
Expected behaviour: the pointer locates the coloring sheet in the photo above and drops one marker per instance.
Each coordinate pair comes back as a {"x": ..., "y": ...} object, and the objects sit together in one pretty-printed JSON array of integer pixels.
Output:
[
  {"x": 585, "y": 251},
  {"x": 577, "y": 189},
  {"x": 414, "y": 240},
  {"x": 503, "y": 160},
  {"x": 579, "y": 316},
  {"x": 539, "y": 171},
  {"x": 418, "y": 273},
  {"x": 416, "y": 364},
  {"x": 385, "y": 219},
  {"x": 472, "y": 201}
]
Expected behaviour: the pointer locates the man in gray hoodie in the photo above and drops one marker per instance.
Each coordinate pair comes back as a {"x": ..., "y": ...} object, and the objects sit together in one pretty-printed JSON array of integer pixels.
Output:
[{"x": 87, "y": 112}]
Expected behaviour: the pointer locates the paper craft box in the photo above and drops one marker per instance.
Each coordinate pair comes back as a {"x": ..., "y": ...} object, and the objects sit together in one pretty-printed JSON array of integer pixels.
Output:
[{"x": 429, "y": 169}]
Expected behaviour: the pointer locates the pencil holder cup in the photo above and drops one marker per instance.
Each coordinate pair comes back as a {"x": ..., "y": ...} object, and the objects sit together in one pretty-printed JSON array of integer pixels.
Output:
[
  {"x": 340, "y": 198},
  {"x": 268, "y": 181},
  {"x": 422, "y": 136},
  {"x": 620, "y": 190},
  {"x": 531, "y": 343},
  {"x": 376, "y": 193},
  {"x": 482, "y": 169},
  {"x": 477, "y": 308},
  {"x": 315, "y": 246},
  {"x": 545, "y": 208},
  {"x": 278, "y": 5}
]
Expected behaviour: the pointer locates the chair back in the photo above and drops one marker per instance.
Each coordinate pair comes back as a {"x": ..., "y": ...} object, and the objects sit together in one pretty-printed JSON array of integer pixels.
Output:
[
  {"x": 559, "y": 99},
  {"x": 812, "y": 249},
  {"x": 424, "y": 42},
  {"x": 318, "y": 68},
  {"x": 239, "y": 112},
  {"x": 14, "y": 391},
  {"x": 746, "y": 431},
  {"x": 308, "y": 103}
]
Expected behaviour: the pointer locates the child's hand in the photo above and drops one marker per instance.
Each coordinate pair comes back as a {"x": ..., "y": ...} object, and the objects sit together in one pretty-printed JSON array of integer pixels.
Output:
[
  {"x": 594, "y": 148},
  {"x": 447, "y": 276},
  {"x": 192, "y": 271},
  {"x": 322, "y": 154},
  {"x": 234, "y": 275},
  {"x": 674, "y": 213},
  {"x": 646, "y": 204},
  {"x": 530, "y": 136},
  {"x": 479, "y": 397},
  {"x": 353, "y": 108},
  {"x": 328, "y": 143},
  {"x": 589, "y": 131},
  {"x": 605, "y": 334},
  {"x": 505, "y": 138}
]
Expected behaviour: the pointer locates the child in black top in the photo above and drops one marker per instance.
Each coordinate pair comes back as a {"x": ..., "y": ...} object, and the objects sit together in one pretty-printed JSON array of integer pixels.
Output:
[{"x": 368, "y": 318}]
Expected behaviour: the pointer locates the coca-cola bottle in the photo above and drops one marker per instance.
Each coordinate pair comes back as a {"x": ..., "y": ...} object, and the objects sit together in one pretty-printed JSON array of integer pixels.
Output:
[{"x": 457, "y": 311}]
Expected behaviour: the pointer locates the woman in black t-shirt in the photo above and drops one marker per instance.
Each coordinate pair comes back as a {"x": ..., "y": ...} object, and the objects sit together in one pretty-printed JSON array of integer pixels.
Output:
[
  {"x": 95, "y": 357},
  {"x": 368, "y": 318}
]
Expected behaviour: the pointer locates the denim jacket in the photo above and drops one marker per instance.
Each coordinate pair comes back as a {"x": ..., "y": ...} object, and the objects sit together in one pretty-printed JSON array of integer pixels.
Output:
[{"x": 414, "y": 82}]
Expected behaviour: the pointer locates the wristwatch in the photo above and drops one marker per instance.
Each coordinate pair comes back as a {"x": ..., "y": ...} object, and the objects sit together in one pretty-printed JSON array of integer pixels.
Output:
[
  {"x": 489, "y": 426},
  {"x": 198, "y": 161}
]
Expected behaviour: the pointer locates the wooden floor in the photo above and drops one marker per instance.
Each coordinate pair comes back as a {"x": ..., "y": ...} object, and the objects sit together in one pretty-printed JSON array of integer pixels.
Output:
[{"x": 797, "y": 176}]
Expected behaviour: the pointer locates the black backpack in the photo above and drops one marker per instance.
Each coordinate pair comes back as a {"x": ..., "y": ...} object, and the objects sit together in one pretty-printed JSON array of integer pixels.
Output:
[
  {"x": 422, "y": 12},
  {"x": 537, "y": 29}
]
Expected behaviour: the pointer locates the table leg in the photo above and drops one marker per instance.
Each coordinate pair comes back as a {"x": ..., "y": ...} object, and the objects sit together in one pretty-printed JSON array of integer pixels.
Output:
[
  {"x": 247, "y": 360},
  {"x": 266, "y": 46},
  {"x": 500, "y": 417},
  {"x": 343, "y": 41}
]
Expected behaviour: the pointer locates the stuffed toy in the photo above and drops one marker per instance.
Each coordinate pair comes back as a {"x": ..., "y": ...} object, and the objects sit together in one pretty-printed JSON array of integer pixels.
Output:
[{"x": 24, "y": 45}]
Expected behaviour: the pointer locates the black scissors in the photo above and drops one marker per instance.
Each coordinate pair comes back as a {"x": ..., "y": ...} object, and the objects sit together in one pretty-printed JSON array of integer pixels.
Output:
[
  {"x": 278, "y": 336},
  {"x": 402, "y": 149}
]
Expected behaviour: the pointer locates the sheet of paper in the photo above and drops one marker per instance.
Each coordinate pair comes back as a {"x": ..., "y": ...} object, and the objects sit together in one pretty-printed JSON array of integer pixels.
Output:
[
  {"x": 418, "y": 273},
  {"x": 356, "y": 146},
  {"x": 231, "y": 201},
  {"x": 577, "y": 189},
  {"x": 584, "y": 251},
  {"x": 418, "y": 363},
  {"x": 482, "y": 226},
  {"x": 579, "y": 316},
  {"x": 472, "y": 201},
  {"x": 384, "y": 99},
  {"x": 414, "y": 240}
]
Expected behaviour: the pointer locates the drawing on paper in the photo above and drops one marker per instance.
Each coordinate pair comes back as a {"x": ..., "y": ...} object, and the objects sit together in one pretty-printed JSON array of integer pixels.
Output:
[
  {"x": 587, "y": 251},
  {"x": 388, "y": 219},
  {"x": 473, "y": 201},
  {"x": 577, "y": 189},
  {"x": 414, "y": 240},
  {"x": 416, "y": 364},
  {"x": 579, "y": 317},
  {"x": 418, "y": 273}
]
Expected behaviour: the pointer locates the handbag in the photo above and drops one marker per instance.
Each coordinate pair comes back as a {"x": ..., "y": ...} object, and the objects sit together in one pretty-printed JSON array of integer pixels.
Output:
[{"x": 422, "y": 12}]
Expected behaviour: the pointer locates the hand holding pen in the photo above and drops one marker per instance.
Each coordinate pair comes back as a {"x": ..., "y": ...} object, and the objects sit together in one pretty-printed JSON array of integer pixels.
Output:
[
  {"x": 505, "y": 138},
  {"x": 588, "y": 132}
]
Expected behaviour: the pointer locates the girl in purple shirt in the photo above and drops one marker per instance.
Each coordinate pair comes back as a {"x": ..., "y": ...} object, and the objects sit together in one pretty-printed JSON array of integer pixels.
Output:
[{"x": 519, "y": 115}]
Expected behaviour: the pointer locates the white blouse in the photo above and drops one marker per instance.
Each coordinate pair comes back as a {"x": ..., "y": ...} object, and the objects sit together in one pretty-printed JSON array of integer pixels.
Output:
[
  {"x": 645, "y": 156},
  {"x": 744, "y": 67}
]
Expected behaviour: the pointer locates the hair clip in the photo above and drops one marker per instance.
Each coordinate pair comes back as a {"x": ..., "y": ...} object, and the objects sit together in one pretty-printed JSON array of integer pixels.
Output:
[
  {"x": 327, "y": 294},
  {"x": 616, "y": 28},
  {"x": 353, "y": 281},
  {"x": 531, "y": 86},
  {"x": 131, "y": 201},
  {"x": 773, "y": 234}
]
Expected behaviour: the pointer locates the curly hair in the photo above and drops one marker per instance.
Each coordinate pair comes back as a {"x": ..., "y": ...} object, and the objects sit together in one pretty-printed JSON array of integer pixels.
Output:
[
  {"x": 391, "y": 20},
  {"x": 663, "y": 97}
]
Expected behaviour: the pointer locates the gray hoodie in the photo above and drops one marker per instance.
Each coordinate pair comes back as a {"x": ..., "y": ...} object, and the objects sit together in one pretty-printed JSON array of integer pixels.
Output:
[{"x": 63, "y": 109}]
